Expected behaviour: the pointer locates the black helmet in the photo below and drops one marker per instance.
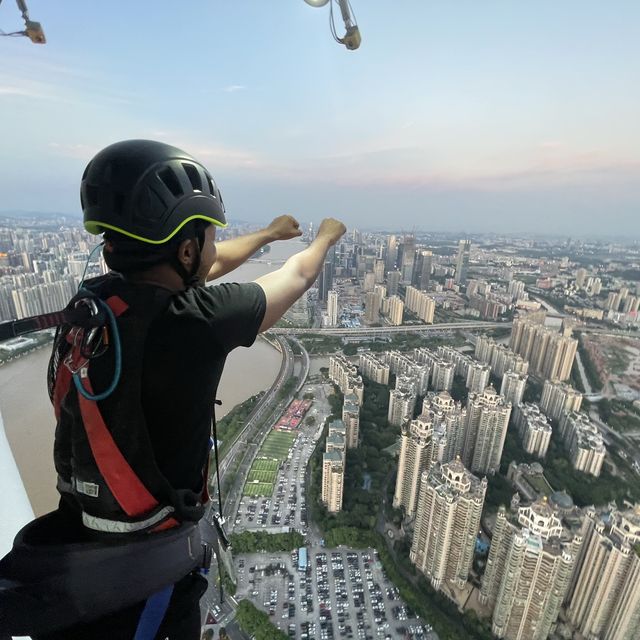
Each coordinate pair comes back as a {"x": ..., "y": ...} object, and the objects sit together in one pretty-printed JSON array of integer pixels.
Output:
[{"x": 148, "y": 191}]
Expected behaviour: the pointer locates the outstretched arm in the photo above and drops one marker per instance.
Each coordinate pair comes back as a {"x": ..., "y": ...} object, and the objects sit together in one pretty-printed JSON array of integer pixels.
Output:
[
  {"x": 284, "y": 286},
  {"x": 232, "y": 253}
]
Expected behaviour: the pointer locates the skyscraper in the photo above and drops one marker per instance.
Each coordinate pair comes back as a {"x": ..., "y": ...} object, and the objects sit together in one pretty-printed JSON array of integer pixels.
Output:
[
  {"x": 559, "y": 398},
  {"x": 513, "y": 386},
  {"x": 487, "y": 419},
  {"x": 396, "y": 310},
  {"x": 478, "y": 377},
  {"x": 462, "y": 261},
  {"x": 401, "y": 405},
  {"x": 332, "y": 308},
  {"x": 371, "y": 308},
  {"x": 393, "y": 280},
  {"x": 422, "y": 270},
  {"x": 533, "y": 427},
  {"x": 333, "y": 462},
  {"x": 415, "y": 457},
  {"x": 583, "y": 440},
  {"x": 528, "y": 571},
  {"x": 549, "y": 352},
  {"x": 351, "y": 419},
  {"x": 332, "y": 480},
  {"x": 325, "y": 280},
  {"x": 447, "y": 521},
  {"x": 604, "y": 599}
]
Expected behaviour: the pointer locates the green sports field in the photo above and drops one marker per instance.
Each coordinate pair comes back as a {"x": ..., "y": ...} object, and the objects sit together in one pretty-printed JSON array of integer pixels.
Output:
[
  {"x": 264, "y": 470},
  {"x": 262, "y": 476},
  {"x": 258, "y": 489},
  {"x": 277, "y": 445},
  {"x": 262, "y": 464}
]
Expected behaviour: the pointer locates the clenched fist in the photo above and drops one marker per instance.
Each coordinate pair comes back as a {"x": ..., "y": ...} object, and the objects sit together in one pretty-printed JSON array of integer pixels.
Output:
[
  {"x": 284, "y": 228},
  {"x": 331, "y": 229}
]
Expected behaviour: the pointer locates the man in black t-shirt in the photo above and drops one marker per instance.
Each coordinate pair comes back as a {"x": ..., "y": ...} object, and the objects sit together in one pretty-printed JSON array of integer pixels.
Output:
[{"x": 158, "y": 209}]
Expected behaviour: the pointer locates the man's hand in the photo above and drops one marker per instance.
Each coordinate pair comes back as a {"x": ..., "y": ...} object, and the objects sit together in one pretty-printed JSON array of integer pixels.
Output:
[
  {"x": 284, "y": 228},
  {"x": 332, "y": 230}
]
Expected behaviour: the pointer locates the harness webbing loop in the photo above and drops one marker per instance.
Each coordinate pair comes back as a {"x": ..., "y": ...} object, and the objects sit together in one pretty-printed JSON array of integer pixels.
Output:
[{"x": 153, "y": 613}]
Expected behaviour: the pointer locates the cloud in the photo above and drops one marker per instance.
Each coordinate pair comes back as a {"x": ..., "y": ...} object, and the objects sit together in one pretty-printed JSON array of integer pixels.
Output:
[{"x": 232, "y": 88}]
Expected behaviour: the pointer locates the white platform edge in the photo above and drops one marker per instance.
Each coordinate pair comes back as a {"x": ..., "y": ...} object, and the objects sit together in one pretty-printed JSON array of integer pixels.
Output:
[{"x": 15, "y": 508}]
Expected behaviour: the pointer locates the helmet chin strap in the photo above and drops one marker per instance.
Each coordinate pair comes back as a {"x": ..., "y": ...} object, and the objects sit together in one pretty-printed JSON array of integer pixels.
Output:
[{"x": 190, "y": 278}]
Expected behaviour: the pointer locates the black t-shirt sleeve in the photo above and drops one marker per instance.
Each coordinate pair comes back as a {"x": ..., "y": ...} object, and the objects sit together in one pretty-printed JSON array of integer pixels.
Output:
[{"x": 232, "y": 311}]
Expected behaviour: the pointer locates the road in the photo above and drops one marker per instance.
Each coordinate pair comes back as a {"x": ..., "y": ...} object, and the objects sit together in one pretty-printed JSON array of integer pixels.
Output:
[{"x": 421, "y": 328}]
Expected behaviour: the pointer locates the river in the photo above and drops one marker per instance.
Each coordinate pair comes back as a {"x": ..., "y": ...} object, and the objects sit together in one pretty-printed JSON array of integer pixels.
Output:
[{"x": 28, "y": 417}]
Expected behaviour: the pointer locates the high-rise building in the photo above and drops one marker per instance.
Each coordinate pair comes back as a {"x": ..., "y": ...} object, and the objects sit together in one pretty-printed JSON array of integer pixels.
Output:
[
  {"x": 406, "y": 256},
  {"x": 351, "y": 420},
  {"x": 421, "y": 304},
  {"x": 528, "y": 571},
  {"x": 422, "y": 270},
  {"x": 396, "y": 311},
  {"x": 371, "y": 308},
  {"x": 516, "y": 290},
  {"x": 391, "y": 253},
  {"x": 583, "y": 440},
  {"x": 533, "y": 427},
  {"x": 559, "y": 398},
  {"x": 449, "y": 419},
  {"x": 378, "y": 271},
  {"x": 345, "y": 375},
  {"x": 500, "y": 358},
  {"x": 462, "y": 261},
  {"x": 447, "y": 521},
  {"x": 513, "y": 386},
  {"x": 442, "y": 375},
  {"x": 374, "y": 368},
  {"x": 487, "y": 420},
  {"x": 415, "y": 457},
  {"x": 462, "y": 361},
  {"x": 369, "y": 281},
  {"x": 333, "y": 465},
  {"x": 550, "y": 353},
  {"x": 332, "y": 308},
  {"x": 332, "y": 480},
  {"x": 581, "y": 276},
  {"x": 393, "y": 280},
  {"x": 325, "y": 279},
  {"x": 402, "y": 402},
  {"x": 604, "y": 598},
  {"x": 478, "y": 377}
]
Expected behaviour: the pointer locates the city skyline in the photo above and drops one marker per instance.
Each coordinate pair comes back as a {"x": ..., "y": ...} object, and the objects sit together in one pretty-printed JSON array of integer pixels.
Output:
[{"x": 505, "y": 119}]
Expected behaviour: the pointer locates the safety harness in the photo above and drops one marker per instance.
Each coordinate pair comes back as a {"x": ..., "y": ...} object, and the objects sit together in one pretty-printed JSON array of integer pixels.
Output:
[{"x": 139, "y": 535}]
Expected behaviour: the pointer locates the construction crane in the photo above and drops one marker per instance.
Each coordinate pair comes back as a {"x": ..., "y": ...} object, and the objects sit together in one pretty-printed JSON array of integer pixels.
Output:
[{"x": 33, "y": 30}]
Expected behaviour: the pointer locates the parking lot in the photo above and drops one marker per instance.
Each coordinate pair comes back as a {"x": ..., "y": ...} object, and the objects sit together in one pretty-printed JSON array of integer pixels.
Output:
[
  {"x": 285, "y": 508},
  {"x": 341, "y": 594}
]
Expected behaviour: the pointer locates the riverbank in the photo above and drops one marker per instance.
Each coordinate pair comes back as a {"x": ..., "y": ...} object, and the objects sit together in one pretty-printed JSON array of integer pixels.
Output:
[{"x": 28, "y": 416}]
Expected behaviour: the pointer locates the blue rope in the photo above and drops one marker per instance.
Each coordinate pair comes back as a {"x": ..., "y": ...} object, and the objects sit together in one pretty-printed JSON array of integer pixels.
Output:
[{"x": 118, "y": 360}]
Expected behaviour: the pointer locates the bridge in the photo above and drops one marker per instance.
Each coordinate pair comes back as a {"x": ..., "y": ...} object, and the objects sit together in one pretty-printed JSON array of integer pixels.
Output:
[{"x": 410, "y": 328}]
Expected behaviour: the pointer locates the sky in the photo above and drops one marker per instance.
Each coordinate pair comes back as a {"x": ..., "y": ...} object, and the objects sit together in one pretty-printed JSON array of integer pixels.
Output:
[{"x": 459, "y": 116}]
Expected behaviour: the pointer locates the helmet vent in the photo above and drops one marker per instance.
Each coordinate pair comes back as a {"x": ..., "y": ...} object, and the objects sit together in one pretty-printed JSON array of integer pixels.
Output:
[
  {"x": 193, "y": 175},
  {"x": 170, "y": 181},
  {"x": 212, "y": 189}
]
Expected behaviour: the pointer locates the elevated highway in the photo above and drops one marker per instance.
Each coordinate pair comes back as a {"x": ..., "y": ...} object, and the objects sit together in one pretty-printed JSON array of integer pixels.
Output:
[{"x": 372, "y": 331}]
